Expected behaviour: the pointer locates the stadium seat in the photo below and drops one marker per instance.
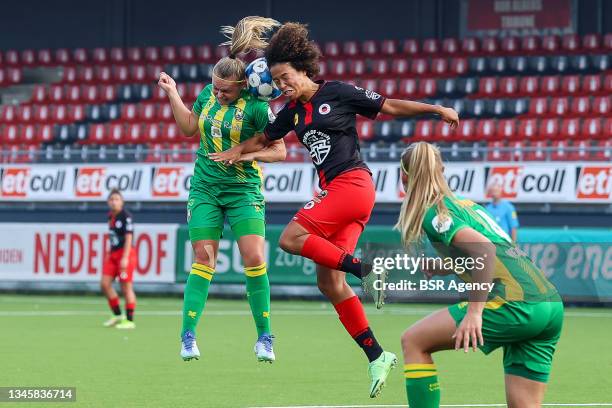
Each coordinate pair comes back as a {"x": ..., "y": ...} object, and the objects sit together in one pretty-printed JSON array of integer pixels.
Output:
[
  {"x": 591, "y": 42},
  {"x": 379, "y": 68},
  {"x": 466, "y": 130},
  {"x": 581, "y": 106},
  {"x": 427, "y": 87},
  {"x": 477, "y": 66},
  {"x": 458, "y": 66},
  {"x": 350, "y": 48},
  {"x": 357, "y": 67},
  {"x": 439, "y": 67},
  {"x": 570, "y": 85},
  {"x": 550, "y": 44},
  {"x": 559, "y": 64},
  {"x": 517, "y": 150},
  {"x": 506, "y": 129},
  {"x": 570, "y": 43},
  {"x": 591, "y": 84},
  {"x": 559, "y": 107},
  {"x": 80, "y": 56},
  {"x": 337, "y": 68},
  {"x": 538, "y": 106},
  {"x": 100, "y": 56},
  {"x": 389, "y": 48},
  {"x": 423, "y": 131},
  {"x": 400, "y": 67},
  {"x": 600, "y": 63},
  {"x": 530, "y": 44},
  {"x": 487, "y": 86},
  {"x": 603, "y": 150},
  {"x": 489, "y": 45},
  {"x": 443, "y": 132},
  {"x": 537, "y": 65},
  {"x": 117, "y": 132},
  {"x": 517, "y": 65},
  {"x": 152, "y": 54},
  {"x": 450, "y": 46},
  {"x": 497, "y": 66},
  {"x": 42, "y": 113},
  {"x": 509, "y": 45},
  {"x": 169, "y": 54},
  {"x": 388, "y": 87},
  {"x": 408, "y": 88},
  {"x": 496, "y": 152},
  {"x": 529, "y": 86},
  {"x": 25, "y": 114},
  {"x": 570, "y": 128},
  {"x": 98, "y": 134},
  {"x": 548, "y": 129},
  {"x": 410, "y": 47},
  {"x": 470, "y": 46},
  {"x": 134, "y": 55},
  {"x": 170, "y": 133},
  {"x": 581, "y": 151},
  {"x": 485, "y": 130},
  {"x": 592, "y": 129},
  {"x": 549, "y": 85},
  {"x": 559, "y": 150},
  {"x": 536, "y": 151},
  {"x": 527, "y": 129},
  {"x": 467, "y": 86},
  {"x": 369, "y": 48},
  {"x": 365, "y": 130},
  {"x": 580, "y": 64},
  {"x": 44, "y": 57},
  {"x": 419, "y": 66},
  {"x": 601, "y": 105},
  {"x": 62, "y": 56},
  {"x": 508, "y": 86}
]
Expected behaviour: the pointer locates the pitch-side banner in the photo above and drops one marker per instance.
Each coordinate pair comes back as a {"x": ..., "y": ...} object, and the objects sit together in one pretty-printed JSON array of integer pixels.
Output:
[
  {"x": 76, "y": 252},
  {"x": 297, "y": 182}
]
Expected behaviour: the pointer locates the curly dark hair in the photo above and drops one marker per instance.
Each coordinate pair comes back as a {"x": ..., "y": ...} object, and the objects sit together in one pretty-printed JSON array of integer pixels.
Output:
[{"x": 290, "y": 44}]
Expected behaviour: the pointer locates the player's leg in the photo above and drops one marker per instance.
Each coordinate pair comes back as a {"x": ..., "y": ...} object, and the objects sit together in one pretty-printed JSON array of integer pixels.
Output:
[
  {"x": 419, "y": 341},
  {"x": 109, "y": 272},
  {"x": 127, "y": 288},
  {"x": 522, "y": 392}
]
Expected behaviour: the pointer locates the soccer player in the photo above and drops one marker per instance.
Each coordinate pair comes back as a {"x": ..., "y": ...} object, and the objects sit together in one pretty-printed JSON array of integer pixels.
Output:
[
  {"x": 224, "y": 115},
  {"x": 522, "y": 314},
  {"x": 327, "y": 229},
  {"x": 119, "y": 263},
  {"x": 503, "y": 211}
]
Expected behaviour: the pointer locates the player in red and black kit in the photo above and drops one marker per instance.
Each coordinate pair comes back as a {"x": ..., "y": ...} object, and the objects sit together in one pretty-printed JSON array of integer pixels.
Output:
[
  {"x": 120, "y": 263},
  {"x": 326, "y": 229}
]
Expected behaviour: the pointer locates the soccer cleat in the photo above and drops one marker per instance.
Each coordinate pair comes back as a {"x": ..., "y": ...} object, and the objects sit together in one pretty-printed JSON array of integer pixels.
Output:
[
  {"x": 189, "y": 348},
  {"x": 376, "y": 289},
  {"x": 378, "y": 370},
  {"x": 113, "y": 321},
  {"x": 126, "y": 324},
  {"x": 263, "y": 348}
]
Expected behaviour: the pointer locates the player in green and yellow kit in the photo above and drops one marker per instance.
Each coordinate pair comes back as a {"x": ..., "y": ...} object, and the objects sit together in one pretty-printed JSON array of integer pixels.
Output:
[
  {"x": 522, "y": 313},
  {"x": 224, "y": 115}
]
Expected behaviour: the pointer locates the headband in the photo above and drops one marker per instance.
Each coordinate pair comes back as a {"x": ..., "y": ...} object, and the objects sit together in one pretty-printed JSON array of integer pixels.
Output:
[{"x": 227, "y": 80}]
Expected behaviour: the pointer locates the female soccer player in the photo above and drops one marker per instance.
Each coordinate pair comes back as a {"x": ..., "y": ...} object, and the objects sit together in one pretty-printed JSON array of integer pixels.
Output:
[
  {"x": 522, "y": 313},
  {"x": 120, "y": 262},
  {"x": 326, "y": 230},
  {"x": 226, "y": 114}
]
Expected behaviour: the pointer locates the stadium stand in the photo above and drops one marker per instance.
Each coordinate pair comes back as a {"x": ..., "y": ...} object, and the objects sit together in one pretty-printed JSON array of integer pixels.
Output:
[{"x": 533, "y": 98}]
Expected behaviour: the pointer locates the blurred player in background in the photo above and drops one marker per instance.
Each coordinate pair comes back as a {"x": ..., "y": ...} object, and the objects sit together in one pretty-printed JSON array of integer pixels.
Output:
[
  {"x": 523, "y": 313},
  {"x": 326, "y": 230},
  {"x": 224, "y": 115},
  {"x": 503, "y": 211},
  {"x": 120, "y": 263}
]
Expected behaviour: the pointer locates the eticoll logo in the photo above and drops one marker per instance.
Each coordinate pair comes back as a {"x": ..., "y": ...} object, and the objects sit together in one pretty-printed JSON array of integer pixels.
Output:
[
  {"x": 595, "y": 183},
  {"x": 15, "y": 182},
  {"x": 167, "y": 182}
]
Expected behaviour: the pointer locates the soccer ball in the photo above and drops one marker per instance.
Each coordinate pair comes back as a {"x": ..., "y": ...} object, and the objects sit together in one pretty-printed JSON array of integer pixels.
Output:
[{"x": 260, "y": 81}]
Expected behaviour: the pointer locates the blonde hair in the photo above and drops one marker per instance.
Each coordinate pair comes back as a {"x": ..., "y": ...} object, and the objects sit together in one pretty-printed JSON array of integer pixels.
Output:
[
  {"x": 426, "y": 186},
  {"x": 248, "y": 34}
]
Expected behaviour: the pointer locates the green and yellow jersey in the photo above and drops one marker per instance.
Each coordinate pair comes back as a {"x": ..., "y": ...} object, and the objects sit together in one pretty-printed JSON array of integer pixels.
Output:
[
  {"x": 222, "y": 127},
  {"x": 515, "y": 276}
]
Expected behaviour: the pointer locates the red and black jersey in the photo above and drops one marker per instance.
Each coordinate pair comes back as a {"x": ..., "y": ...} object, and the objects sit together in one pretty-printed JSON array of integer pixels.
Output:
[
  {"x": 325, "y": 125},
  {"x": 119, "y": 225}
]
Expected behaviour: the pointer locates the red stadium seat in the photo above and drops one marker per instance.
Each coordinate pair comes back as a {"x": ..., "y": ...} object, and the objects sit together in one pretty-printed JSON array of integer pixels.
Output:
[
  {"x": 443, "y": 132},
  {"x": 388, "y": 48},
  {"x": 470, "y": 46},
  {"x": 530, "y": 44},
  {"x": 591, "y": 84},
  {"x": 147, "y": 112},
  {"x": 518, "y": 149},
  {"x": 322, "y": 68},
  {"x": 171, "y": 133},
  {"x": 450, "y": 46},
  {"x": 365, "y": 130},
  {"x": 138, "y": 73},
  {"x": 72, "y": 94},
  {"x": 570, "y": 128},
  {"x": 25, "y": 114},
  {"x": 427, "y": 87},
  {"x": 103, "y": 73},
  {"x": 121, "y": 74},
  {"x": 591, "y": 42},
  {"x": 76, "y": 113},
  {"x": 45, "y": 134},
  {"x": 410, "y": 47},
  {"x": 62, "y": 56},
  {"x": 559, "y": 150},
  {"x": 100, "y": 56},
  {"x": 581, "y": 151},
  {"x": 592, "y": 129},
  {"x": 27, "y": 134},
  {"x": 371, "y": 84},
  {"x": 509, "y": 45},
  {"x": 89, "y": 94},
  {"x": 11, "y": 58},
  {"x": 117, "y": 55},
  {"x": 489, "y": 45},
  {"x": 536, "y": 151},
  {"x": 488, "y": 86},
  {"x": 108, "y": 93},
  {"x": 559, "y": 107},
  {"x": 129, "y": 112},
  {"x": 508, "y": 86},
  {"x": 400, "y": 67},
  {"x": 603, "y": 150},
  {"x": 529, "y": 86},
  {"x": 549, "y": 85},
  {"x": 86, "y": 74},
  {"x": 79, "y": 56},
  {"x": 495, "y": 152},
  {"x": 98, "y": 134},
  {"x": 44, "y": 57},
  {"x": 186, "y": 54},
  {"x": 151, "y": 133},
  {"x": 548, "y": 129},
  {"x": 430, "y": 46},
  {"x": 10, "y": 134},
  {"x": 134, "y": 55},
  {"x": 369, "y": 48},
  {"x": 538, "y": 106},
  {"x": 204, "y": 53},
  {"x": 527, "y": 129},
  {"x": 570, "y": 43},
  {"x": 337, "y": 68},
  {"x": 550, "y": 43},
  {"x": 608, "y": 84},
  {"x": 466, "y": 130},
  {"x": 379, "y": 68},
  {"x": 42, "y": 114},
  {"x": 459, "y": 66},
  {"x": 59, "y": 114},
  {"x": 388, "y": 87},
  {"x": 581, "y": 106},
  {"x": 28, "y": 58},
  {"x": 408, "y": 88},
  {"x": 164, "y": 113},
  {"x": 357, "y": 67},
  {"x": 424, "y": 130},
  {"x": 70, "y": 75},
  {"x": 570, "y": 85},
  {"x": 169, "y": 54},
  {"x": 601, "y": 105},
  {"x": 56, "y": 94},
  {"x": 331, "y": 49},
  {"x": 419, "y": 66},
  {"x": 607, "y": 43},
  {"x": 439, "y": 67},
  {"x": 151, "y": 54},
  {"x": 117, "y": 132},
  {"x": 350, "y": 48},
  {"x": 39, "y": 94},
  {"x": 485, "y": 130}
]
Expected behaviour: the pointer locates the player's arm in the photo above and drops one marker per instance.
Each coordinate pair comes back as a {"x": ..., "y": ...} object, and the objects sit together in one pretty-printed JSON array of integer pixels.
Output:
[
  {"x": 398, "y": 107},
  {"x": 477, "y": 247},
  {"x": 185, "y": 118},
  {"x": 274, "y": 152},
  {"x": 231, "y": 156}
]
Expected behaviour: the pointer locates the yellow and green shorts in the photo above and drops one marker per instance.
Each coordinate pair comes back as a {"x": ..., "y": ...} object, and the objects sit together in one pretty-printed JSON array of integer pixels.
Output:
[
  {"x": 527, "y": 332},
  {"x": 242, "y": 204}
]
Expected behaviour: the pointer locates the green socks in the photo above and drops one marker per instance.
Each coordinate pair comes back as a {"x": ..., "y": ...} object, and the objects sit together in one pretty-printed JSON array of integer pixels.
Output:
[
  {"x": 196, "y": 293},
  {"x": 422, "y": 385},
  {"x": 258, "y": 293}
]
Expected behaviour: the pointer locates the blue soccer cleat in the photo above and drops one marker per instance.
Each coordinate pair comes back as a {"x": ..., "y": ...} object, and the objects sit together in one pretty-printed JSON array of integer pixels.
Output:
[
  {"x": 189, "y": 348},
  {"x": 263, "y": 348}
]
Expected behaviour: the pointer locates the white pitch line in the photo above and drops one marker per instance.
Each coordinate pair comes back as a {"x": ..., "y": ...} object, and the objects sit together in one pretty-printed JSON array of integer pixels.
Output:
[{"x": 444, "y": 405}]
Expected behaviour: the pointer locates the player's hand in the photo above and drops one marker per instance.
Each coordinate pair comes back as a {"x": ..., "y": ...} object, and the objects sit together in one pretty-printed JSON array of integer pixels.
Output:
[
  {"x": 123, "y": 264},
  {"x": 469, "y": 332},
  {"x": 450, "y": 116},
  {"x": 227, "y": 157},
  {"x": 246, "y": 157},
  {"x": 166, "y": 83}
]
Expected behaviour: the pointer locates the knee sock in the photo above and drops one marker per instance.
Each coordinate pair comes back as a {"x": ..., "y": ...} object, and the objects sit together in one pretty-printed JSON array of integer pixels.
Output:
[
  {"x": 325, "y": 253},
  {"x": 129, "y": 311},
  {"x": 196, "y": 293},
  {"x": 422, "y": 387},
  {"x": 354, "y": 320},
  {"x": 258, "y": 294},
  {"x": 114, "y": 306}
]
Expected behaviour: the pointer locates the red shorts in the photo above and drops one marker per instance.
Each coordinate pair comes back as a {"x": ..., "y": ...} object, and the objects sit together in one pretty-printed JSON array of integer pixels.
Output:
[
  {"x": 112, "y": 265},
  {"x": 343, "y": 211}
]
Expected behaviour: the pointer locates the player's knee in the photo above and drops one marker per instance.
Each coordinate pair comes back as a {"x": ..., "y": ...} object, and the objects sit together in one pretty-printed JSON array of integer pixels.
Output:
[
  {"x": 253, "y": 259},
  {"x": 408, "y": 341},
  {"x": 287, "y": 243},
  {"x": 329, "y": 287}
]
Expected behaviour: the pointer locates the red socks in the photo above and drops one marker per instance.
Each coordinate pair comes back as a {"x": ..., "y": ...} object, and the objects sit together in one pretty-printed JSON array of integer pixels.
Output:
[
  {"x": 322, "y": 252},
  {"x": 129, "y": 311},
  {"x": 352, "y": 316},
  {"x": 114, "y": 305}
]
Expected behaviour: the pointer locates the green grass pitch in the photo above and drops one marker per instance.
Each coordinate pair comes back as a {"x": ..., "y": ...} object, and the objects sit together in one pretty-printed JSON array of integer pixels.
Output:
[{"x": 60, "y": 341}]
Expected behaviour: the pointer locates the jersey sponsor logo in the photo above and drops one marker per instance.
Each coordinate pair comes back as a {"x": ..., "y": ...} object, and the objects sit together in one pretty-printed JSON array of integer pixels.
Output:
[
  {"x": 594, "y": 183},
  {"x": 324, "y": 109},
  {"x": 215, "y": 131},
  {"x": 168, "y": 182},
  {"x": 372, "y": 95},
  {"x": 441, "y": 225},
  {"x": 118, "y": 224},
  {"x": 319, "y": 145},
  {"x": 239, "y": 114}
]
